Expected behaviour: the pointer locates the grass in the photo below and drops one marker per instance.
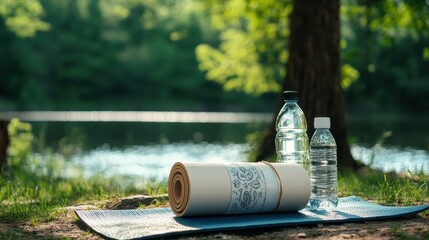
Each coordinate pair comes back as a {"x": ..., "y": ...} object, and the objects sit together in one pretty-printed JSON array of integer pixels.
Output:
[
  {"x": 394, "y": 189},
  {"x": 41, "y": 199},
  {"x": 34, "y": 186}
]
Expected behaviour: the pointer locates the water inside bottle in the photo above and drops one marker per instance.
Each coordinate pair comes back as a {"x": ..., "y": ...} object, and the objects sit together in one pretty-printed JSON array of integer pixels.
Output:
[{"x": 323, "y": 171}]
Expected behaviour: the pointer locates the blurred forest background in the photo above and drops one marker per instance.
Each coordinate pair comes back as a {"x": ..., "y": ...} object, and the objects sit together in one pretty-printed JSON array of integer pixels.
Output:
[{"x": 200, "y": 55}]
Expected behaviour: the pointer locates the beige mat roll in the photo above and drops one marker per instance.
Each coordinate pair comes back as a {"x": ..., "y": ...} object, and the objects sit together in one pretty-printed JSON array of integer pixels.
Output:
[{"x": 237, "y": 188}]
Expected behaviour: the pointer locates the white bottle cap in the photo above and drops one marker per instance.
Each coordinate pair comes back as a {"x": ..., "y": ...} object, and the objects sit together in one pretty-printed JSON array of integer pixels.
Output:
[{"x": 322, "y": 122}]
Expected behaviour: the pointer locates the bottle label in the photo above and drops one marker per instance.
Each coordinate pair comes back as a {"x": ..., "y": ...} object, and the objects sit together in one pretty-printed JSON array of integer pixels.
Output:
[{"x": 248, "y": 188}]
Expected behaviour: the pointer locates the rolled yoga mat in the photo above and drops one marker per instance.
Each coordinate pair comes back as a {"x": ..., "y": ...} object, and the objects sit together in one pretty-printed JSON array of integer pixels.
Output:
[{"x": 200, "y": 189}]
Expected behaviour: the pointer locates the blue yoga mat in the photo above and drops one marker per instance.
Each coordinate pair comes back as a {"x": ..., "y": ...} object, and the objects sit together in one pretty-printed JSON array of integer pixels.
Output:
[{"x": 161, "y": 222}]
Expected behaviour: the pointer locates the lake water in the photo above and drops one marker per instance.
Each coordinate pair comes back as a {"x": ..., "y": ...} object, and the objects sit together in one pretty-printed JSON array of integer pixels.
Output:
[
  {"x": 148, "y": 149},
  {"x": 154, "y": 161}
]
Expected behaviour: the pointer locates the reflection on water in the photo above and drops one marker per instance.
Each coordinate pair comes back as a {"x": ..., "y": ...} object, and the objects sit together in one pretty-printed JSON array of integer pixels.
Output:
[
  {"x": 393, "y": 159},
  {"x": 155, "y": 161}
]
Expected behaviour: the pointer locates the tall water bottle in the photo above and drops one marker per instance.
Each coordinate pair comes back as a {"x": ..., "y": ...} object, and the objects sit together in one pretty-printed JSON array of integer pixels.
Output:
[
  {"x": 323, "y": 167},
  {"x": 291, "y": 138}
]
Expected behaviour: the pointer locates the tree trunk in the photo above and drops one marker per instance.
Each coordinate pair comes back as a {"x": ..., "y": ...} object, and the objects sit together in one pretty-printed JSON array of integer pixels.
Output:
[
  {"x": 314, "y": 71},
  {"x": 4, "y": 143}
]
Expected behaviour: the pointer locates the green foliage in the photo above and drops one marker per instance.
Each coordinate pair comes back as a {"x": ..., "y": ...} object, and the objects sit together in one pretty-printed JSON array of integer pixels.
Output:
[
  {"x": 252, "y": 53},
  {"x": 349, "y": 75},
  {"x": 377, "y": 39},
  {"x": 385, "y": 43},
  {"x": 111, "y": 55},
  {"x": 148, "y": 55},
  {"x": 21, "y": 142},
  {"x": 426, "y": 53},
  {"x": 23, "y": 17}
]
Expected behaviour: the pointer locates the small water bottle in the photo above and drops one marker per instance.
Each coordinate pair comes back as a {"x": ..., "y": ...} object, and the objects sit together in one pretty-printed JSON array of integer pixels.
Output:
[
  {"x": 323, "y": 167},
  {"x": 291, "y": 139}
]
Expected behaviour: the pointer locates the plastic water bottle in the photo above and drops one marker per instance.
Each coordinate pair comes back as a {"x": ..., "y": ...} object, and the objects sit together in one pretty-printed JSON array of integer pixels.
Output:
[
  {"x": 323, "y": 167},
  {"x": 291, "y": 138}
]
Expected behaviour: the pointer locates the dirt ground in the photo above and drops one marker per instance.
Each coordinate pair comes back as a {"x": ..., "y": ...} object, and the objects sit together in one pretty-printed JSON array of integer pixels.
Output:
[{"x": 67, "y": 226}]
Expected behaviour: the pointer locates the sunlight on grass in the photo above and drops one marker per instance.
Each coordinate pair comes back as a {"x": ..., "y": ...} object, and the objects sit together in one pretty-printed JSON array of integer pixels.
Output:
[
  {"x": 35, "y": 186},
  {"x": 385, "y": 188}
]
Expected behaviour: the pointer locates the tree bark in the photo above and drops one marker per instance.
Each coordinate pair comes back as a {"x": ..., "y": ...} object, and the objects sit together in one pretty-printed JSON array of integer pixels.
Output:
[
  {"x": 313, "y": 70},
  {"x": 4, "y": 143}
]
